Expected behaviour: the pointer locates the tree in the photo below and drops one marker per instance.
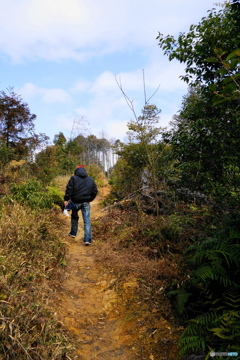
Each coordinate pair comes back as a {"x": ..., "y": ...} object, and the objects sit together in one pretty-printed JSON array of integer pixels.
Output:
[
  {"x": 227, "y": 88},
  {"x": 66, "y": 161},
  {"x": 47, "y": 166},
  {"x": 59, "y": 139},
  {"x": 205, "y": 142},
  {"x": 220, "y": 31},
  {"x": 16, "y": 126},
  {"x": 125, "y": 178},
  {"x": 141, "y": 165},
  {"x": 206, "y": 132},
  {"x": 143, "y": 129}
]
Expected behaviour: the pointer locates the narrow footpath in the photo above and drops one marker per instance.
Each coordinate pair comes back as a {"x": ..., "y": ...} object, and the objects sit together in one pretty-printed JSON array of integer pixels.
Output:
[{"x": 88, "y": 306}]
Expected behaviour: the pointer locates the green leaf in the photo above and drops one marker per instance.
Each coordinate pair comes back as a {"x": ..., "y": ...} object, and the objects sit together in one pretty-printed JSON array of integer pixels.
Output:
[
  {"x": 211, "y": 59},
  {"x": 233, "y": 54},
  {"x": 220, "y": 52},
  {"x": 218, "y": 100},
  {"x": 230, "y": 88},
  {"x": 234, "y": 63},
  {"x": 227, "y": 80}
]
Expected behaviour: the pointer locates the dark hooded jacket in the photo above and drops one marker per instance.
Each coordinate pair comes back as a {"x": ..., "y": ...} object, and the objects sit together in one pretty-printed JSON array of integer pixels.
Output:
[{"x": 81, "y": 187}]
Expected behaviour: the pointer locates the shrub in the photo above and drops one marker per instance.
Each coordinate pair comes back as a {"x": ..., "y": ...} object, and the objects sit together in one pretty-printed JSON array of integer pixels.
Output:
[
  {"x": 56, "y": 195},
  {"x": 34, "y": 195},
  {"x": 210, "y": 296}
]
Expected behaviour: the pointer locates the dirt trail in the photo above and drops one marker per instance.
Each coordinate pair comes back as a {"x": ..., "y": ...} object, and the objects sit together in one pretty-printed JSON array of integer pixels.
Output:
[{"x": 87, "y": 304}]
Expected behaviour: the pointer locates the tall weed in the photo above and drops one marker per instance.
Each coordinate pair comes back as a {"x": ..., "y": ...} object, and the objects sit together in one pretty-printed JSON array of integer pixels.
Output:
[{"x": 31, "y": 258}]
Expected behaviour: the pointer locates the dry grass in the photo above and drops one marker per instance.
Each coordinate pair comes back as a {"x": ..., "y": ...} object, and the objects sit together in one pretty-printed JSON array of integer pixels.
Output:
[
  {"x": 61, "y": 181},
  {"x": 31, "y": 259},
  {"x": 148, "y": 251},
  {"x": 131, "y": 246}
]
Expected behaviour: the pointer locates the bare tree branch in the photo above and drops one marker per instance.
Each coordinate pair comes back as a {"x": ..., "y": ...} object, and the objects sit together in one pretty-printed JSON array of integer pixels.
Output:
[
  {"x": 153, "y": 94},
  {"x": 144, "y": 88},
  {"x": 128, "y": 101}
]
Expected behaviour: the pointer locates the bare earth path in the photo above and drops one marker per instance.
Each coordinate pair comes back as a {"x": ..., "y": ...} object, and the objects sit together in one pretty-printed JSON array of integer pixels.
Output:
[{"x": 87, "y": 304}]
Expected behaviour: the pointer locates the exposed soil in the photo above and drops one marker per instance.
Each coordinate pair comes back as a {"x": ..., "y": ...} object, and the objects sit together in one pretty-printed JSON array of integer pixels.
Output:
[
  {"x": 96, "y": 316},
  {"x": 87, "y": 305}
]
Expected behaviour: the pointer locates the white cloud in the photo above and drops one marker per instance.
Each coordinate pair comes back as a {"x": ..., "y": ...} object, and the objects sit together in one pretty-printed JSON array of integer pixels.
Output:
[
  {"x": 30, "y": 90},
  {"x": 81, "y": 85},
  {"x": 106, "y": 108},
  {"x": 87, "y": 31},
  {"x": 104, "y": 83},
  {"x": 79, "y": 29},
  {"x": 116, "y": 129},
  {"x": 44, "y": 13},
  {"x": 102, "y": 102},
  {"x": 64, "y": 122},
  {"x": 158, "y": 73},
  {"x": 55, "y": 95}
]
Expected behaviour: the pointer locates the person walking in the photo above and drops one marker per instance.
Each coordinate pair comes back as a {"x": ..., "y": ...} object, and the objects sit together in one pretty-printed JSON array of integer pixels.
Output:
[{"x": 80, "y": 190}]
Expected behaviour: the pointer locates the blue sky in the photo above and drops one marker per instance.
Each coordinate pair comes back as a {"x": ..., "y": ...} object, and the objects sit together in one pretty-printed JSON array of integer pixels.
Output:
[{"x": 62, "y": 57}]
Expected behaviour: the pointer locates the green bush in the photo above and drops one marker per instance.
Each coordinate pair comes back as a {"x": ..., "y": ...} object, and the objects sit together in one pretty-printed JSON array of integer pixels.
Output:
[
  {"x": 34, "y": 195},
  {"x": 209, "y": 298},
  {"x": 55, "y": 194}
]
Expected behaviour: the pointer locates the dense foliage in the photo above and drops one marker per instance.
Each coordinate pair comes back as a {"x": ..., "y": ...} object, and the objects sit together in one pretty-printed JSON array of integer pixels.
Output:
[
  {"x": 17, "y": 137},
  {"x": 216, "y": 33},
  {"x": 143, "y": 159},
  {"x": 205, "y": 135},
  {"x": 205, "y": 142},
  {"x": 205, "y": 145},
  {"x": 62, "y": 157}
]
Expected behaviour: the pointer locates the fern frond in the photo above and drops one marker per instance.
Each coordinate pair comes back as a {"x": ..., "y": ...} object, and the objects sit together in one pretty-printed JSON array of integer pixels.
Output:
[
  {"x": 232, "y": 299},
  {"x": 192, "y": 339},
  {"x": 204, "y": 272},
  {"x": 234, "y": 234},
  {"x": 229, "y": 326},
  {"x": 207, "y": 319},
  {"x": 192, "y": 344},
  {"x": 224, "y": 279},
  {"x": 199, "y": 250},
  {"x": 181, "y": 297},
  {"x": 221, "y": 331},
  {"x": 215, "y": 265}
]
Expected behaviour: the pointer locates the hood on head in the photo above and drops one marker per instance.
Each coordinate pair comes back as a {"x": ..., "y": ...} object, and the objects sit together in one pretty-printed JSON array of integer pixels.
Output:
[{"x": 80, "y": 171}]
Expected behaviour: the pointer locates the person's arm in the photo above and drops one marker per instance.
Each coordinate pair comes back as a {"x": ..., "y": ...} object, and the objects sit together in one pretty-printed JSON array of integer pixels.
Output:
[
  {"x": 69, "y": 190},
  {"x": 94, "y": 191}
]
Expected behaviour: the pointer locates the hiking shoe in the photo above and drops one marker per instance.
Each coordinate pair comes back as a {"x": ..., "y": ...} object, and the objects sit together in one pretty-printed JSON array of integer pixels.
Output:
[
  {"x": 73, "y": 236},
  {"x": 87, "y": 243}
]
